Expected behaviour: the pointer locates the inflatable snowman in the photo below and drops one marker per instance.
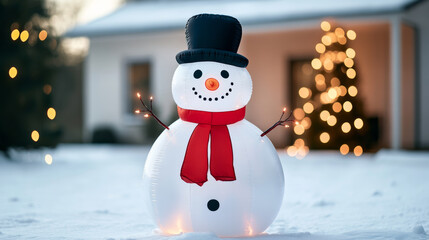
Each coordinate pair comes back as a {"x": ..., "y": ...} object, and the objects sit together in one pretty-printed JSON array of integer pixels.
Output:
[{"x": 211, "y": 171}]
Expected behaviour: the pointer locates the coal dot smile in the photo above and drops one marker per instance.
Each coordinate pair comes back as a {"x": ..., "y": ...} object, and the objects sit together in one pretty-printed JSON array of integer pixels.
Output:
[{"x": 211, "y": 99}]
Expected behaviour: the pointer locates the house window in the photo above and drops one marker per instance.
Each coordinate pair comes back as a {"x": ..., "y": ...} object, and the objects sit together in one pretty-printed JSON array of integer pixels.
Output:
[{"x": 139, "y": 81}]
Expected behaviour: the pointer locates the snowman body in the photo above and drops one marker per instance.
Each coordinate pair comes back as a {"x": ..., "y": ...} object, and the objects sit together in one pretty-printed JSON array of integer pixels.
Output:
[{"x": 245, "y": 206}]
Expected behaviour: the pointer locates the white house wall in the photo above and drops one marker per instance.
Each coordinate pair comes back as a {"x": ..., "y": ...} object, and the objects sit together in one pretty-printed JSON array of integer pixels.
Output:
[
  {"x": 106, "y": 83},
  {"x": 418, "y": 16}
]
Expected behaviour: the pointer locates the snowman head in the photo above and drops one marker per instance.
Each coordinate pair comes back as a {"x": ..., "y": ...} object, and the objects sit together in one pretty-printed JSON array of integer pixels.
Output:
[
  {"x": 211, "y": 75},
  {"x": 211, "y": 86}
]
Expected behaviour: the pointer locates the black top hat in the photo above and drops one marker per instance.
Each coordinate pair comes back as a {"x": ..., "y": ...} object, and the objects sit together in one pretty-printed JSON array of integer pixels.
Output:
[{"x": 213, "y": 37}]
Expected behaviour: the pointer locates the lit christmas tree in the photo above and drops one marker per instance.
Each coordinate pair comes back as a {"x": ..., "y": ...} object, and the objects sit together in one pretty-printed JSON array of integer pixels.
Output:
[
  {"x": 335, "y": 111},
  {"x": 28, "y": 61}
]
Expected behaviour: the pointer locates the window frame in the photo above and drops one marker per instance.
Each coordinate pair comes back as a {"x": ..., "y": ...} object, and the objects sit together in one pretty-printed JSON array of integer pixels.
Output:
[{"x": 130, "y": 118}]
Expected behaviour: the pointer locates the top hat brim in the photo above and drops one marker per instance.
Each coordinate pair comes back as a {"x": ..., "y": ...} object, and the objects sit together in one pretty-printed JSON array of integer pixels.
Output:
[{"x": 215, "y": 55}]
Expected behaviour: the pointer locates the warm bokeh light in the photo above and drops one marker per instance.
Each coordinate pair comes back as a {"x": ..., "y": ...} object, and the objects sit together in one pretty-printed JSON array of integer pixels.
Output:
[
  {"x": 319, "y": 78},
  {"x": 351, "y": 34},
  {"x": 320, "y": 48},
  {"x": 43, "y": 35},
  {"x": 335, "y": 82},
  {"x": 13, "y": 72},
  {"x": 344, "y": 149},
  {"x": 332, "y": 36},
  {"x": 321, "y": 86},
  {"x": 316, "y": 63},
  {"x": 341, "y": 56},
  {"x": 332, "y": 93},
  {"x": 350, "y": 53},
  {"x": 291, "y": 151},
  {"x": 306, "y": 123},
  {"x": 343, "y": 91},
  {"x": 308, "y": 107},
  {"x": 347, "y": 105},
  {"x": 342, "y": 40},
  {"x": 337, "y": 107},
  {"x": 346, "y": 127},
  {"x": 15, "y": 34},
  {"x": 47, "y": 89},
  {"x": 35, "y": 135},
  {"x": 138, "y": 95},
  {"x": 48, "y": 159},
  {"x": 24, "y": 35},
  {"x": 51, "y": 113},
  {"x": 338, "y": 90},
  {"x": 298, "y": 113},
  {"x": 320, "y": 82},
  {"x": 358, "y": 123},
  {"x": 299, "y": 142},
  {"x": 349, "y": 62},
  {"x": 298, "y": 129},
  {"x": 325, "y": 26},
  {"x": 353, "y": 91},
  {"x": 326, "y": 40},
  {"x": 324, "y": 98},
  {"x": 304, "y": 92},
  {"x": 332, "y": 120},
  {"x": 324, "y": 115},
  {"x": 358, "y": 151},
  {"x": 324, "y": 137},
  {"x": 351, "y": 73},
  {"x": 339, "y": 31},
  {"x": 328, "y": 64},
  {"x": 329, "y": 55}
]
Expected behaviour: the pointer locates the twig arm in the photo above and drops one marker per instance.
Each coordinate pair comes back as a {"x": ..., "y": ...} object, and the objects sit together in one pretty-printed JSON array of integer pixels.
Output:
[
  {"x": 280, "y": 122},
  {"x": 148, "y": 111}
]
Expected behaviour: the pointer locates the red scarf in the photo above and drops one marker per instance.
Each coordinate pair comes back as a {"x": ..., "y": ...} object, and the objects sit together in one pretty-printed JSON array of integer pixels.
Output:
[{"x": 195, "y": 164}]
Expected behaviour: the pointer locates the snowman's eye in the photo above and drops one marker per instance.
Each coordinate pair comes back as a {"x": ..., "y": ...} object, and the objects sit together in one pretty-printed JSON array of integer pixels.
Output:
[
  {"x": 198, "y": 74},
  {"x": 224, "y": 74}
]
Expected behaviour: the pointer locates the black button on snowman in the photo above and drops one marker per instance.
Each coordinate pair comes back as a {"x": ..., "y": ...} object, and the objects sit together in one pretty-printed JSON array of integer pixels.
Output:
[{"x": 212, "y": 171}]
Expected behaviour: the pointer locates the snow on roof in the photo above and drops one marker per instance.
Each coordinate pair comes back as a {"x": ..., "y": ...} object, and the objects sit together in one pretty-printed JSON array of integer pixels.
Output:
[{"x": 144, "y": 16}]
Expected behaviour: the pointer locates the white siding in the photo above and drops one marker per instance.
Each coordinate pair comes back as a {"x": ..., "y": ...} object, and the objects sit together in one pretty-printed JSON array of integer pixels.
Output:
[
  {"x": 419, "y": 16},
  {"x": 105, "y": 88}
]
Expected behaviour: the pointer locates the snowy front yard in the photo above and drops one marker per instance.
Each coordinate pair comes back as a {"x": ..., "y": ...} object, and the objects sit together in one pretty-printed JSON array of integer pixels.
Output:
[{"x": 95, "y": 192}]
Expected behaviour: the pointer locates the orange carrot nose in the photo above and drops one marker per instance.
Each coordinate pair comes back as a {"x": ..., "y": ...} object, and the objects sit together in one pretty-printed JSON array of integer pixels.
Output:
[{"x": 212, "y": 84}]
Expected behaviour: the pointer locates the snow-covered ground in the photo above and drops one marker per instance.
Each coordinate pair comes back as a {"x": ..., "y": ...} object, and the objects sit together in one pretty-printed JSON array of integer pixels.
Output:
[{"x": 95, "y": 192}]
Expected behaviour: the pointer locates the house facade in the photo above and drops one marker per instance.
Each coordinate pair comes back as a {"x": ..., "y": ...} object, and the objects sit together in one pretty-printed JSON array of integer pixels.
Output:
[{"x": 133, "y": 49}]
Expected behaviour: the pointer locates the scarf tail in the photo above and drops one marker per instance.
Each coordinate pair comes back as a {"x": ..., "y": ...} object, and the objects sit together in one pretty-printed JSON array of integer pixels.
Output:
[
  {"x": 195, "y": 165},
  {"x": 221, "y": 156}
]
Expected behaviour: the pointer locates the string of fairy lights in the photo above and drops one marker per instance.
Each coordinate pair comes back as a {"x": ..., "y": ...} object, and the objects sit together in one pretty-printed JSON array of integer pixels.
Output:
[
  {"x": 51, "y": 113},
  {"x": 329, "y": 95}
]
